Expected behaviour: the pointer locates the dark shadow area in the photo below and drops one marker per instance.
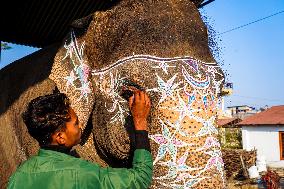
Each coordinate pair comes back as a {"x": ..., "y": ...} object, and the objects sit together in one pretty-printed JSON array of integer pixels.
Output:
[
  {"x": 109, "y": 4},
  {"x": 87, "y": 131},
  {"x": 24, "y": 73},
  {"x": 112, "y": 160},
  {"x": 104, "y": 154},
  {"x": 43, "y": 23}
]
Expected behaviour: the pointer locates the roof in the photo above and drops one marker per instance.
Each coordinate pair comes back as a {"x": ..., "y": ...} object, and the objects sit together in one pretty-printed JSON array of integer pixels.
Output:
[
  {"x": 40, "y": 23},
  {"x": 240, "y": 106},
  {"x": 228, "y": 122},
  {"x": 271, "y": 116}
]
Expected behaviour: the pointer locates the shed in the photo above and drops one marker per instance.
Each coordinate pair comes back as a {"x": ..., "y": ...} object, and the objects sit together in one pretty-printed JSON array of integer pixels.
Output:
[{"x": 265, "y": 132}]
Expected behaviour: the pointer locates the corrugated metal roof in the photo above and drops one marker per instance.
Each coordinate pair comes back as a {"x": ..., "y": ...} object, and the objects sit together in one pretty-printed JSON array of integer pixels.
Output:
[
  {"x": 40, "y": 23},
  {"x": 271, "y": 116}
]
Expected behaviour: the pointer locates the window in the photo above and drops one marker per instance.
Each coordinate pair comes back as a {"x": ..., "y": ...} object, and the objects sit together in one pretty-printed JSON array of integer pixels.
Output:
[{"x": 281, "y": 143}]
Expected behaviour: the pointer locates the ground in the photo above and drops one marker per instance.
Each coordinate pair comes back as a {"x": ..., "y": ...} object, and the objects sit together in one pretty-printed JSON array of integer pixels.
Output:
[{"x": 255, "y": 183}]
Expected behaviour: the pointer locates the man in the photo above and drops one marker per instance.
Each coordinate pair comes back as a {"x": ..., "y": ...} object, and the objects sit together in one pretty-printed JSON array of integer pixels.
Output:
[{"x": 54, "y": 124}]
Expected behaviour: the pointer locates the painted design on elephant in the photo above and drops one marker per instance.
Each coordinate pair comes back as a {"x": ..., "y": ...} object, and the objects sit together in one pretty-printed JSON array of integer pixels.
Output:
[
  {"x": 208, "y": 127},
  {"x": 202, "y": 84},
  {"x": 118, "y": 103},
  {"x": 166, "y": 89},
  {"x": 209, "y": 142},
  {"x": 216, "y": 83},
  {"x": 200, "y": 88},
  {"x": 177, "y": 127},
  {"x": 110, "y": 84},
  {"x": 186, "y": 182},
  {"x": 146, "y": 58},
  {"x": 185, "y": 110},
  {"x": 190, "y": 93},
  {"x": 215, "y": 161},
  {"x": 164, "y": 66},
  {"x": 80, "y": 71},
  {"x": 167, "y": 143},
  {"x": 178, "y": 168},
  {"x": 193, "y": 64}
]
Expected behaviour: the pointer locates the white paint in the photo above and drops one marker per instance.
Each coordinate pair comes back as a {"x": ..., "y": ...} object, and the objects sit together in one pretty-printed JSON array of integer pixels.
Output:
[
  {"x": 265, "y": 139},
  {"x": 179, "y": 169},
  {"x": 212, "y": 65}
]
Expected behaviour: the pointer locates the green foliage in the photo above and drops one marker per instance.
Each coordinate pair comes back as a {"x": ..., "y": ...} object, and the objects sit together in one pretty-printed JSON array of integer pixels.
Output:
[
  {"x": 5, "y": 46},
  {"x": 230, "y": 138}
]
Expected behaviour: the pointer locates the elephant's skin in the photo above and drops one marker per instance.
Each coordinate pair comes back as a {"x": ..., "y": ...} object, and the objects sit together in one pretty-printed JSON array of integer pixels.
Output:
[
  {"x": 160, "y": 46},
  {"x": 20, "y": 82}
]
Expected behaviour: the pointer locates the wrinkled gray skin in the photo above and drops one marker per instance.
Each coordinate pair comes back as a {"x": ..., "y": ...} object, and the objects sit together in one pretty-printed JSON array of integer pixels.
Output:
[
  {"x": 28, "y": 78},
  {"x": 20, "y": 82}
]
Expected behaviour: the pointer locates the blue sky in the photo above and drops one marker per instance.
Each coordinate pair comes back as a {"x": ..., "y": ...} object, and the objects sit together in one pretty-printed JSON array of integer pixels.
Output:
[{"x": 253, "y": 56}]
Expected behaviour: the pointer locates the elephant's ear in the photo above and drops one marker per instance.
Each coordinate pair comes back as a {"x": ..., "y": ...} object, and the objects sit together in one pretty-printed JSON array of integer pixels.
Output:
[{"x": 72, "y": 74}]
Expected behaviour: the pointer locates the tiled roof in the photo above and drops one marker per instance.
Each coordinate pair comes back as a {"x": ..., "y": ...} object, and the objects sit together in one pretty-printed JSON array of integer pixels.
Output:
[
  {"x": 271, "y": 116},
  {"x": 228, "y": 122}
]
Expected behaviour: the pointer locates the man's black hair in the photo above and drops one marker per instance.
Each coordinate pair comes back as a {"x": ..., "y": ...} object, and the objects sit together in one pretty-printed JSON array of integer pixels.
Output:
[{"x": 45, "y": 115}]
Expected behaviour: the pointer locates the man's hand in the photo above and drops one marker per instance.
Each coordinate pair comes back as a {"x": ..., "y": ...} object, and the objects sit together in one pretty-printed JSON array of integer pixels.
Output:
[{"x": 139, "y": 104}]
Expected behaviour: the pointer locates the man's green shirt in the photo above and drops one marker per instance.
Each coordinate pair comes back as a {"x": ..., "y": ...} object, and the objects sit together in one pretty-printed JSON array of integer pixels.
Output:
[{"x": 56, "y": 170}]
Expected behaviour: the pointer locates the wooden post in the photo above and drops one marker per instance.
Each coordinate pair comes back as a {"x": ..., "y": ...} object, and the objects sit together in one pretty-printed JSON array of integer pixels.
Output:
[{"x": 245, "y": 171}]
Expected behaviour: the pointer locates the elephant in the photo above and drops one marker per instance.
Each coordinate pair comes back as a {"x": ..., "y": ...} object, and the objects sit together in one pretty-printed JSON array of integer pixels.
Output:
[{"x": 160, "y": 46}]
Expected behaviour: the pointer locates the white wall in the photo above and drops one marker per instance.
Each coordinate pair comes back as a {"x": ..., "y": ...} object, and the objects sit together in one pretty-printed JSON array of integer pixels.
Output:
[{"x": 265, "y": 139}]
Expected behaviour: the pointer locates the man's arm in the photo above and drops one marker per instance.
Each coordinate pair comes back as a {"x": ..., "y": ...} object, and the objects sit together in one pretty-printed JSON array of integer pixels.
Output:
[{"x": 140, "y": 175}]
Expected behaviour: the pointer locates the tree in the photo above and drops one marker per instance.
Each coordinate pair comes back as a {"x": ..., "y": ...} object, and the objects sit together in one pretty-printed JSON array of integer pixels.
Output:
[{"x": 5, "y": 46}]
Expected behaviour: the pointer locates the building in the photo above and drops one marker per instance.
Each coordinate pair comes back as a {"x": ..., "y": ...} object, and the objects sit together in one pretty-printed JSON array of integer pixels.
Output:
[
  {"x": 242, "y": 111},
  {"x": 226, "y": 90},
  {"x": 265, "y": 132}
]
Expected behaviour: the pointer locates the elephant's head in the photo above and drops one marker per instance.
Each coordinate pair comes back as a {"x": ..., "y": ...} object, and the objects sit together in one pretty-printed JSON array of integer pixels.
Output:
[{"x": 161, "y": 47}]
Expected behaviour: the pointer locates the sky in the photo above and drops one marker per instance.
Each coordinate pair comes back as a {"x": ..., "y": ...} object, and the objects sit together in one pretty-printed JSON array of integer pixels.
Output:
[{"x": 252, "y": 56}]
